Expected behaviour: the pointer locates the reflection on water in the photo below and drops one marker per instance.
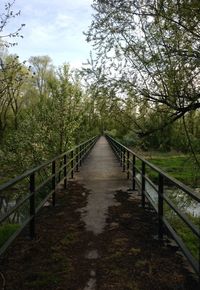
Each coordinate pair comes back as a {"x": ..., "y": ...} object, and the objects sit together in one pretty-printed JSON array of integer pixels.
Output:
[
  {"x": 184, "y": 201},
  {"x": 179, "y": 198},
  {"x": 6, "y": 205}
]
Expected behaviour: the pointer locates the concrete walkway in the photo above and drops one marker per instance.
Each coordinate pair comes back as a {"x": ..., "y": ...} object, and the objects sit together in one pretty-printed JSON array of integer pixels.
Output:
[{"x": 102, "y": 175}]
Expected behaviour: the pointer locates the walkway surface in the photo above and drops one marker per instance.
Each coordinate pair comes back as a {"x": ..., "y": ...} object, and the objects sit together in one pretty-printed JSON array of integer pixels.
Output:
[
  {"x": 102, "y": 176},
  {"x": 96, "y": 238}
]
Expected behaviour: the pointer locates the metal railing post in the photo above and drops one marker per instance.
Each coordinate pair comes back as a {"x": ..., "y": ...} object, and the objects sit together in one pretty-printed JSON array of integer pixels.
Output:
[
  {"x": 65, "y": 171},
  {"x": 143, "y": 184},
  {"x": 59, "y": 175},
  {"x": 128, "y": 164},
  {"x": 133, "y": 172},
  {"x": 72, "y": 164},
  {"x": 86, "y": 146},
  {"x": 54, "y": 183},
  {"x": 77, "y": 159},
  {"x": 83, "y": 152},
  {"x": 124, "y": 160},
  {"x": 32, "y": 206},
  {"x": 80, "y": 155},
  {"x": 160, "y": 207},
  {"x": 121, "y": 156}
]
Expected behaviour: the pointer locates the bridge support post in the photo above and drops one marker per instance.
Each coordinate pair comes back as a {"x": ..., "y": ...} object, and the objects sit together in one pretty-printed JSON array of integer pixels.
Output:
[
  {"x": 160, "y": 206},
  {"x": 143, "y": 184},
  {"x": 32, "y": 206}
]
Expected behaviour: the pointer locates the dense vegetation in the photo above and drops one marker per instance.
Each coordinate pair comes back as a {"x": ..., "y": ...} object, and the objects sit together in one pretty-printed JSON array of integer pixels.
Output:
[
  {"x": 142, "y": 86},
  {"x": 43, "y": 112}
]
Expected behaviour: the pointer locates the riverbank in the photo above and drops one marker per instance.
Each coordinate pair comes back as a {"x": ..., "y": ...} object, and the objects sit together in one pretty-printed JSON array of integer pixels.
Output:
[{"x": 178, "y": 165}]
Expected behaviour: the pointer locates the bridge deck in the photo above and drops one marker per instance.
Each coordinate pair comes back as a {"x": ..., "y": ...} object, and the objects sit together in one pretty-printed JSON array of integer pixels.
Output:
[
  {"x": 97, "y": 237},
  {"x": 102, "y": 176}
]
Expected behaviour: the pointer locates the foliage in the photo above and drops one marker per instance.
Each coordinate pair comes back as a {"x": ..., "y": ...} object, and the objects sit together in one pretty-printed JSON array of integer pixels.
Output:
[
  {"x": 150, "y": 50},
  {"x": 179, "y": 166},
  {"x": 51, "y": 122},
  {"x": 147, "y": 56},
  {"x": 5, "y": 17},
  {"x": 13, "y": 76},
  {"x": 6, "y": 231},
  {"x": 187, "y": 236}
]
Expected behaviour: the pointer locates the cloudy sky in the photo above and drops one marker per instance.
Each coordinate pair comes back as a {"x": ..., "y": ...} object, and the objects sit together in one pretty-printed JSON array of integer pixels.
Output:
[{"x": 54, "y": 28}]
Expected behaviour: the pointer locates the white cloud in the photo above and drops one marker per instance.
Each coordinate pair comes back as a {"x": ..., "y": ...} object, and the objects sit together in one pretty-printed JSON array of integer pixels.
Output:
[
  {"x": 54, "y": 28},
  {"x": 63, "y": 21}
]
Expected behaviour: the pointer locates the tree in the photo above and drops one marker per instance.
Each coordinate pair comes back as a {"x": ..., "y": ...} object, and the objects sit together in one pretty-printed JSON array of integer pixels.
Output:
[
  {"x": 43, "y": 70},
  {"x": 149, "y": 49},
  {"x": 13, "y": 76},
  {"x": 5, "y": 17}
]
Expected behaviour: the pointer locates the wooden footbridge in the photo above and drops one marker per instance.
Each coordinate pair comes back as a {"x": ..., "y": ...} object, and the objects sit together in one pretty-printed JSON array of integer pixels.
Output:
[{"x": 130, "y": 232}]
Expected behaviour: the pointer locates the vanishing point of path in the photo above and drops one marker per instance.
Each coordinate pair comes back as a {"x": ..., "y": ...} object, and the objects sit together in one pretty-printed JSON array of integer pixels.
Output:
[{"x": 97, "y": 237}]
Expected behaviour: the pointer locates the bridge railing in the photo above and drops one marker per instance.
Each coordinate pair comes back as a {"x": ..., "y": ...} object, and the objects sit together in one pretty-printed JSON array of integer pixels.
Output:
[
  {"x": 26, "y": 194},
  {"x": 170, "y": 199}
]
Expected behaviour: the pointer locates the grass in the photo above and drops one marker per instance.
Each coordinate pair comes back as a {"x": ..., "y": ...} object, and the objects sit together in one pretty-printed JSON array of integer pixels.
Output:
[
  {"x": 179, "y": 166},
  {"x": 6, "y": 232},
  {"x": 184, "y": 232}
]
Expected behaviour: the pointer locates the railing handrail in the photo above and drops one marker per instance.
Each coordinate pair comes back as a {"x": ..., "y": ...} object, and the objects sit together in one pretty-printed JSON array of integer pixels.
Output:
[
  {"x": 70, "y": 162},
  {"x": 178, "y": 183},
  {"x": 123, "y": 154},
  {"x": 27, "y": 173}
]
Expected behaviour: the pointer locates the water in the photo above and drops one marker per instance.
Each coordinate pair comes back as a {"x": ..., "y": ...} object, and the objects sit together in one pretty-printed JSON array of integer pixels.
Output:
[
  {"x": 6, "y": 206},
  {"x": 177, "y": 196}
]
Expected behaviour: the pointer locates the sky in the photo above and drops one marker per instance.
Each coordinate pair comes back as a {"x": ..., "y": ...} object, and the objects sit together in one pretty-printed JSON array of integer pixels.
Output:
[{"x": 54, "y": 28}]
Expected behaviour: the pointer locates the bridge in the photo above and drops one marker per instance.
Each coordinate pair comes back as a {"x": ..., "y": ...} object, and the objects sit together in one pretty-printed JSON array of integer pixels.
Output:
[{"x": 99, "y": 217}]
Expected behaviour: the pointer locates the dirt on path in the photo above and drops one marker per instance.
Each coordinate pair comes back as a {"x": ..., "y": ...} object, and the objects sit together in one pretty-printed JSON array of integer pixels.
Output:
[{"x": 128, "y": 255}]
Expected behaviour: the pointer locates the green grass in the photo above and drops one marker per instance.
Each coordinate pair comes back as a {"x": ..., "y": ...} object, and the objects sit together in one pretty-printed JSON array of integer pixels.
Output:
[
  {"x": 179, "y": 166},
  {"x": 184, "y": 232},
  {"x": 6, "y": 232}
]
